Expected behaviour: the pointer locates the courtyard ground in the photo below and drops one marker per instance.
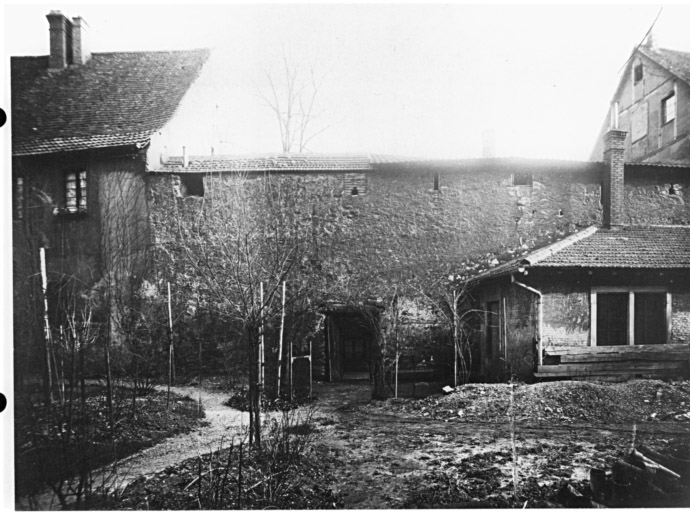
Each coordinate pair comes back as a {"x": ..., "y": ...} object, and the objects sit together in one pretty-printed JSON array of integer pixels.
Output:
[{"x": 485, "y": 445}]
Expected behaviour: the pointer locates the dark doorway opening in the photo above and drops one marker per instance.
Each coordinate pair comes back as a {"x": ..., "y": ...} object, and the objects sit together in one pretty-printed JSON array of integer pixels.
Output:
[
  {"x": 612, "y": 319},
  {"x": 350, "y": 336},
  {"x": 650, "y": 318}
]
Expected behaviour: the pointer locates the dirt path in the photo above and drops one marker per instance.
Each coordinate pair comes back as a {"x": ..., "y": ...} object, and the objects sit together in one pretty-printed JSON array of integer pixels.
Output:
[{"x": 219, "y": 426}]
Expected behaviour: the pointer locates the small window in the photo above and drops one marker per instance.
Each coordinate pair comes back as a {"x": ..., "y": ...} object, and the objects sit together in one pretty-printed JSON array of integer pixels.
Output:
[
  {"x": 522, "y": 178},
  {"x": 356, "y": 183},
  {"x": 19, "y": 198},
  {"x": 75, "y": 191},
  {"x": 638, "y": 73},
  {"x": 668, "y": 108},
  {"x": 192, "y": 185},
  {"x": 436, "y": 182}
]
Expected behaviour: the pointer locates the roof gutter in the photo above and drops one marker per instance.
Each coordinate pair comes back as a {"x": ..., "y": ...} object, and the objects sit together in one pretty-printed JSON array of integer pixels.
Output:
[{"x": 540, "y": 314}]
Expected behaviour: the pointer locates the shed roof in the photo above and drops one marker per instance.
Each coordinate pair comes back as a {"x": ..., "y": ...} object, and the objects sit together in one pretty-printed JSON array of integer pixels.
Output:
[
  {"x": 114, "y": 99},
  {"x": 626, "y": 247}
]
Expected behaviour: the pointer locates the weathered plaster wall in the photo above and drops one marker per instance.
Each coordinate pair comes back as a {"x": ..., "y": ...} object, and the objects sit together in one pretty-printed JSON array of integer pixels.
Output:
[
  {"x": 566, "y": 314},
  {"x": 680, "y": 328}
]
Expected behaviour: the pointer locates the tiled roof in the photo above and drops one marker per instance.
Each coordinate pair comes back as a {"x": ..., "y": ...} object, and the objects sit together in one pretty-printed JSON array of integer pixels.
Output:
[
  {"x": 280, "y": 162},
  {"x": 627, "y": 247},
  {"x": 633, "y": 247},
  {"x": 114, "y": 99},
  {"x": 677, "y": 164},
  {"x": 675, "y": 61}
]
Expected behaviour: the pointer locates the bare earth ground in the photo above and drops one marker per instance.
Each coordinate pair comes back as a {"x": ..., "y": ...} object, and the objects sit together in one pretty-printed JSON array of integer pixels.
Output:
[
  {"x": 448, "y": 451},
  {"x": 420, "y": 453}
]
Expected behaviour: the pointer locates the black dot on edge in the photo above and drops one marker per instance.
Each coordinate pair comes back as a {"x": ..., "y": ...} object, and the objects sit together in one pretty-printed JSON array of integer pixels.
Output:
[
  {"x": 3, "y": 118},
  {"x": 3, "y": 402}
]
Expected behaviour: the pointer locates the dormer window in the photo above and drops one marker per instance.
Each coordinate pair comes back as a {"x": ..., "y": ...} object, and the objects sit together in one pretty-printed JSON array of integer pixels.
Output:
[
  {"x": 668, "y": 108},
  {"x": 75, "y": 191},
  {"x": 638, "y": 73}
]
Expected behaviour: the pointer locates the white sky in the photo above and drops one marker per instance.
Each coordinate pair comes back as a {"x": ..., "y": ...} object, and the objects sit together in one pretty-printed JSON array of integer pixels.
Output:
[{"x": 400, "y": 78}]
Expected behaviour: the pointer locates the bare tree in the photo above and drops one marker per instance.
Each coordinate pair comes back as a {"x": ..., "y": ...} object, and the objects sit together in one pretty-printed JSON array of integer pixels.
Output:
[
  {"x": 233, "y": 249},
  {"x": 292, "y": 97}
]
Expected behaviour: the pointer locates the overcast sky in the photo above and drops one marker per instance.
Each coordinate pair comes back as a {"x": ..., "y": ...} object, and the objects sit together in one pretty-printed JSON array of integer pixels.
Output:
[{"x": 403, "y": 79}]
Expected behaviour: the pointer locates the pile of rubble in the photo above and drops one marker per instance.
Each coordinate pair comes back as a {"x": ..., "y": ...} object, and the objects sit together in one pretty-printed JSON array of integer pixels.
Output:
[
  {"x": 645, "y": 478},
  {"x": 562, "y": 401}
]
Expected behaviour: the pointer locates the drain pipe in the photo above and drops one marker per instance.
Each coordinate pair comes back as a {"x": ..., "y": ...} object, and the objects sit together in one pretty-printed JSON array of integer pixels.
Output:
[{"x": 540, "y": 314}]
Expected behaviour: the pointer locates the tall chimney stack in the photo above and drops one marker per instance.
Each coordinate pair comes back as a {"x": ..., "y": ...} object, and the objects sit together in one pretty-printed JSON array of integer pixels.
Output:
[
  {"x": 81, "y": 51},
  {"x": 612, "y": 190},
  {"x": 60, "y": 40}
]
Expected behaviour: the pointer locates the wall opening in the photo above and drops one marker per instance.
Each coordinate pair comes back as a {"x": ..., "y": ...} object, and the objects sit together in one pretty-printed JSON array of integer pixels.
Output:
[
  {"x": 350, "y": 337},
  {"x": 192, "y": 185}
]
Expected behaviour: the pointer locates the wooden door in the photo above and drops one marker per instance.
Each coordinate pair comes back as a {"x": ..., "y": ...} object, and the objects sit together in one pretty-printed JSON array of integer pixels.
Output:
[
  {"x": 612, "y": 319},
  {"x": 650, "y": 318}
]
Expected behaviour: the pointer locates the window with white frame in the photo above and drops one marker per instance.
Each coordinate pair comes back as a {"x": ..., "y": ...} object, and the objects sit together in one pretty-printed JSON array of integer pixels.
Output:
[
  {"x": 75, "y": 191},
  {"x": 668, "y": 108},
  {"x": 630, "y": 316}
]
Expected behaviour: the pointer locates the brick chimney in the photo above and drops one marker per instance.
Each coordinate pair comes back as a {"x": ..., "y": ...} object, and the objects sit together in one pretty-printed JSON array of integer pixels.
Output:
[
  {"x": 60, "y": 40},
  {"x": 612, "y": 190},
  {"x": 81, "y": 51}
]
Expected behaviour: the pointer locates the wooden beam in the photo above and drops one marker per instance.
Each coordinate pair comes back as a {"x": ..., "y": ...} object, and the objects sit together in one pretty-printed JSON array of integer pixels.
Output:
[
  {"x": 593, "y": 318},
  {"x": 669, "y": 316},
  {"x": 658, "y": 374},
  {"x": 682, "y": 348},
  {"x": 623, "y": 356},
  {"x": 606, "y": 367},
  {"x": 631, "y": 318}
]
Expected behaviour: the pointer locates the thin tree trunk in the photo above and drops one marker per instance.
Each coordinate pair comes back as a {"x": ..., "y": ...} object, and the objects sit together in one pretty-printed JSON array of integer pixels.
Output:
[
  {"x": 280, "y": 339},
  {"x": 261, "y": 334},
  {"x": 456, "y": 346},
  {"x": 170, "y": 347},
  {"x": 48, "y": 379},
  {"x": 109, "y": 388}
]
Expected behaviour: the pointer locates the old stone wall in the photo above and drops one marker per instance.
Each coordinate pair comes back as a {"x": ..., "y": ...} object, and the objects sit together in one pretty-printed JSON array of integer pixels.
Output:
[
  {"x": 408, "y": 228},
  {"x": 680, "y": 327}
]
